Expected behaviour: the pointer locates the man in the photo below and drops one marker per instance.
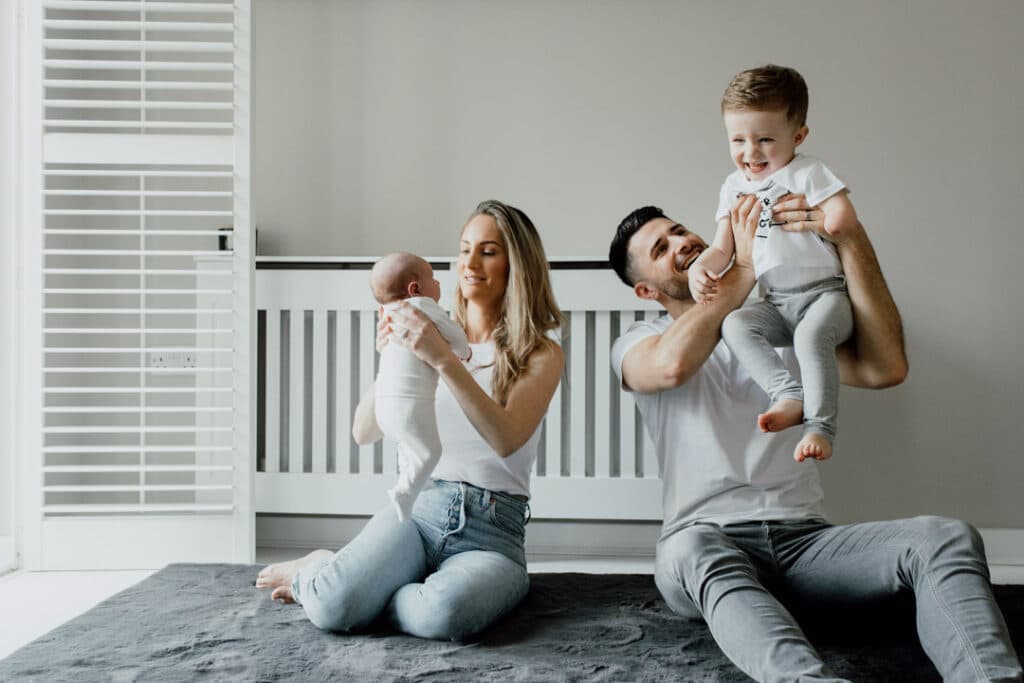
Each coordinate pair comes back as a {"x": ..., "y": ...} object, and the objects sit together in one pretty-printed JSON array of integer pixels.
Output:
[{"x": 744, "y": 522}]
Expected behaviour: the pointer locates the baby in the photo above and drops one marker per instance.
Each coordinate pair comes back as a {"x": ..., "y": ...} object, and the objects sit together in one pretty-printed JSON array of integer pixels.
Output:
[
  {"x": 806, "y": 304},
  {"x": 406, "y": 385}
]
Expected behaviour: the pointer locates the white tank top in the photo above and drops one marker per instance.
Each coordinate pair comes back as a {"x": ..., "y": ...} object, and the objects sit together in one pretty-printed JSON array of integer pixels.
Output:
[{"x": 465, "y": 455}]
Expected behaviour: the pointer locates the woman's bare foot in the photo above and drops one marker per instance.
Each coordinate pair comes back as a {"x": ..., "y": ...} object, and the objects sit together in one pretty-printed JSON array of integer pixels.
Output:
[
  {"x": 283, "y": 594},
  {"x": 784, "y": 414},
  {"x": 280, "y": 574},
  {"x": 813, "y": 445}
]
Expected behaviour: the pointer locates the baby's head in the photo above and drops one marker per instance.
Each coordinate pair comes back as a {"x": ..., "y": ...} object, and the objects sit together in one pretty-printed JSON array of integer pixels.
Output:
[
  {"x": 765, "y": 114},
  {"x": 402, "y": 275}
]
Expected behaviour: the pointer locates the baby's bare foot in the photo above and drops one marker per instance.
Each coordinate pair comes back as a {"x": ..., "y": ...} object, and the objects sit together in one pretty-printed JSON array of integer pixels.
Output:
[
  {"x": 784, "y": 414},
  {"x": 813, "y": 445},
  {"x": 280, "y": 574}
]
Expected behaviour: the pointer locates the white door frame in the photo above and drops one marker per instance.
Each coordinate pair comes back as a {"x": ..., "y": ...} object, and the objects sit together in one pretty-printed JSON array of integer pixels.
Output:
[
  {"x": 28, "y": 289},
  {"x": 8, "y": 280}
]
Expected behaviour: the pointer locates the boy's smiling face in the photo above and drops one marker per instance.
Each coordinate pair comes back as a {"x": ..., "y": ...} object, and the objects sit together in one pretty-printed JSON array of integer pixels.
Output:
[{"x": 761, "y": 142}]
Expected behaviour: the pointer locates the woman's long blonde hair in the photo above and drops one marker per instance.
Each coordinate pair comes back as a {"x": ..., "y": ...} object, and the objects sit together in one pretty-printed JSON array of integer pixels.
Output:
[{"x": 528, "y": 309}]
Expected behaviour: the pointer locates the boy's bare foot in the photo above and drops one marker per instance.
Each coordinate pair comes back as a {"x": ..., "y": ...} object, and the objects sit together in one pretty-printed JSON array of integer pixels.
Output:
[
  {"x": 813, "y": 445},
  {"x": 280, "y": 574},
  {"x": 283, "y": 594},
  {"x": 784, "y": 414}
]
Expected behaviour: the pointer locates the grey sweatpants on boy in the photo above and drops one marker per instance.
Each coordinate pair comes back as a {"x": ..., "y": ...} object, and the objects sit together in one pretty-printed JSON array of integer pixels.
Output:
[{"x": 813, "y": 319}]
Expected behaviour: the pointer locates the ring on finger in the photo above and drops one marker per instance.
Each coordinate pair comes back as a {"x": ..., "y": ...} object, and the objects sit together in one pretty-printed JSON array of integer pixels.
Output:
[{"x": 808, "y": 217}]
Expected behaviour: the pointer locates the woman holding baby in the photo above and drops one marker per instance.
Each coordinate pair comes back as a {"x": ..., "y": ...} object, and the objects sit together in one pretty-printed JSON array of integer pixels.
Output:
[{"x": 458, "y": 564}]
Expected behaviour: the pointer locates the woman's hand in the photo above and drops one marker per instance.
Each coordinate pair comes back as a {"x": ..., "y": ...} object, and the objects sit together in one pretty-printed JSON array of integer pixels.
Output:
[
  {"x": 383, "y": 330},
  {"x": 409, "y": 327}
]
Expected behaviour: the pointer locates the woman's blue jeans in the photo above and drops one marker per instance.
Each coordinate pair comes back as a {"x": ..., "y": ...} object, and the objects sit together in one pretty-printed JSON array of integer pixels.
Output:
[{"x": 447, "y": 573}]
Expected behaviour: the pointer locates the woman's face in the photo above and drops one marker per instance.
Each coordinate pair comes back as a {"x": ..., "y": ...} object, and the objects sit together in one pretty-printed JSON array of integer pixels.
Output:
[{"x": 482, "y": 267}]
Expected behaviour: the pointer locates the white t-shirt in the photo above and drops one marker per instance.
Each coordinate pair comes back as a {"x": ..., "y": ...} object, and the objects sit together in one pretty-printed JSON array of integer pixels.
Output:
[
  {"x": 804, "y": 257},
  {"x": 466, "y": 456},
  {"x": 715, "y": 464},
  {"x": 401, "y": 373}
]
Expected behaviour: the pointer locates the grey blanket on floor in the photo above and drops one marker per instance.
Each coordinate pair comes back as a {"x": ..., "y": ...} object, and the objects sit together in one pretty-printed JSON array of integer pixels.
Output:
[{"x": 207, "y": 622}]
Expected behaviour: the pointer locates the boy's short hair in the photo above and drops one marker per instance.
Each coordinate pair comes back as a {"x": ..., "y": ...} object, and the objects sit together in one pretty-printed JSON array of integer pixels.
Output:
[{"x": 768, "y": 88}]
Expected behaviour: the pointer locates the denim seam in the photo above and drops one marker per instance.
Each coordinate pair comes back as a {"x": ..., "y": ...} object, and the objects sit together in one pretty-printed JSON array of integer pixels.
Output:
[{"x": 946, "y": 612}]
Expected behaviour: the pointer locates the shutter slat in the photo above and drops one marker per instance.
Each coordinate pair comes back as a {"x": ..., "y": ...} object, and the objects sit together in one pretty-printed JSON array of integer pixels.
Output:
[
  {"x": 136, "y": 85},
  {"x": 96, "y": 25},
  {"x": 124, "y": 5}
]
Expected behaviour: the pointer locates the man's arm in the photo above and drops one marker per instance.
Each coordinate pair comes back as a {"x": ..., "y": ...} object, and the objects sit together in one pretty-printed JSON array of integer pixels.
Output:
[
  {"x": 875, "y": 356},
  {"x": 668, "y": 360}
]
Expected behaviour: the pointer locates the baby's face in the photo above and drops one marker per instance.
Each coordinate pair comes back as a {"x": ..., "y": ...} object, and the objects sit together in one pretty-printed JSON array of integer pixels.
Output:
[
  {"x": 761, "y": 142},
  {"x": 429, "y": 286}
]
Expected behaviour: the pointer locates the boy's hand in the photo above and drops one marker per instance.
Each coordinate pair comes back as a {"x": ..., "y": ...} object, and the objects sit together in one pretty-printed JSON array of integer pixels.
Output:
[{"x": 703, "y": 283}]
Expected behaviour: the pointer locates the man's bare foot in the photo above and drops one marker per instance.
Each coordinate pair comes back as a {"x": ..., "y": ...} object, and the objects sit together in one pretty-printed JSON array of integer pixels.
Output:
[
  {"x": 283, "y": 594},
  {"x": 784, "y": 414},
  {"x": 813, "y": 445},
  {"x": 280, "y": 574}
]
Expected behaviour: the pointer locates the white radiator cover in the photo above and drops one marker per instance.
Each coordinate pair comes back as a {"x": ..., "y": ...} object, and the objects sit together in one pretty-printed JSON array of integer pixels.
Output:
[{"x": 316, "y": 356}]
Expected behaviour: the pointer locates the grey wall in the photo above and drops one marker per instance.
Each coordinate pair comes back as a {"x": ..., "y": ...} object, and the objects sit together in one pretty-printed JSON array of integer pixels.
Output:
[{"x": 380, "y": 124}]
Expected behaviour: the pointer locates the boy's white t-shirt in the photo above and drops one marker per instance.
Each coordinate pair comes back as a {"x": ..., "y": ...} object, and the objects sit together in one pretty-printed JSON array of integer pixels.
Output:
[
  {"x": 401, "y": 373},
  {"x": 803, "y": 257}
]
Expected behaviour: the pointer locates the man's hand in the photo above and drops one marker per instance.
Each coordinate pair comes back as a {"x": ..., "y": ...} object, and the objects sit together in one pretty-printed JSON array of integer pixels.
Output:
[
  {"x": 703, "y": 283},
  {"x": 835, "y": 220},
  {"x": 744, "y": 218}
]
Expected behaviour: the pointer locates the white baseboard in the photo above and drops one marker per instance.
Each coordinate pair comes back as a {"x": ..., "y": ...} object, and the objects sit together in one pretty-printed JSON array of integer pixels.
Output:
[
  {"x": 1004, "y": 547},
  {"x": 551, "y": 540}
]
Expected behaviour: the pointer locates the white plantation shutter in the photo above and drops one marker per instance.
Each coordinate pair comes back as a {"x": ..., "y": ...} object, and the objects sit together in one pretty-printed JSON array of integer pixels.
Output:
[{"x": 146, "y": 283}]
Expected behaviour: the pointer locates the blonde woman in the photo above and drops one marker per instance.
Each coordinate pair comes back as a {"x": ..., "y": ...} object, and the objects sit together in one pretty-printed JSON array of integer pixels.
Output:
[{"x": 459, "y": 563}]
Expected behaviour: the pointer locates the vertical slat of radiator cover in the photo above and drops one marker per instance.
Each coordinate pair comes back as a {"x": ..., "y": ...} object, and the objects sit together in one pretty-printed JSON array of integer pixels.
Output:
[
  {"x": 650, "y": 459},
  {"x": 578, "y": 391},
  {"x": 367, "y": 341},
  {"x": 343, "y": 388},
  {"x": 319, "y": 406},
  {"x": 296, "y": 388},
  {"x": 553, "y": 429},
  {"x": 602, "y": 397},
  {"x": 272, "y": 417},
  {"x": 627, "y": 417}
]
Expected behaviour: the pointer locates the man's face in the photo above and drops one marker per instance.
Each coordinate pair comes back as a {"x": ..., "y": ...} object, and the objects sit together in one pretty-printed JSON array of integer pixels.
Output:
[
  {"x": 761, "y": 142},
  {"x": 661, "y": 252}
]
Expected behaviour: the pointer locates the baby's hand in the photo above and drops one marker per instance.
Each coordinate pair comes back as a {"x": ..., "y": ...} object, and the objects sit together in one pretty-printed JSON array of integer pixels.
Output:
[{"x": 703, "y": 283}]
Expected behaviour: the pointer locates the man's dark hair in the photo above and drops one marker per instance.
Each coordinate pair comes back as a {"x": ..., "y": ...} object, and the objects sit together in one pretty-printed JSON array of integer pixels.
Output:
[{"x": 618, "y": 253}]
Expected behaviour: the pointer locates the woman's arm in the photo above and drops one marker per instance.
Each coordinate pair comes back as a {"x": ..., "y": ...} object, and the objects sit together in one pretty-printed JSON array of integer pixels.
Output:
[{"x": 505, "y": 428}]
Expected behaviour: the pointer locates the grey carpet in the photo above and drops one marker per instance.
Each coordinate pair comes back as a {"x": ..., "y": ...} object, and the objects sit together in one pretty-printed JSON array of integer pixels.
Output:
[{"x": 193, "y": 622}]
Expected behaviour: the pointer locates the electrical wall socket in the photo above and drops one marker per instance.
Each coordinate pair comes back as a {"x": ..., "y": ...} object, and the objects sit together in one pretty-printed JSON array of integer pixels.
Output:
[{"x": 172, "y": 359}]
